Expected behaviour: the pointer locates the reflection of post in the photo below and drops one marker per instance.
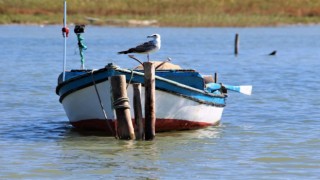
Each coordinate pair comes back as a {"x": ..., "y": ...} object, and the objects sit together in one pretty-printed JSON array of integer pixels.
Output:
[
  {"x": 138, "y": 110},
  {"x": 149, "y": 84},
  {"x": 122, "y": 107},
  {"x": 236, "y": 44}
]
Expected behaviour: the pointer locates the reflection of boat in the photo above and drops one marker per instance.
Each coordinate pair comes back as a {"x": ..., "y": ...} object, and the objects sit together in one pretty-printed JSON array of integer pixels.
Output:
[{"x": 182, "y": 99}]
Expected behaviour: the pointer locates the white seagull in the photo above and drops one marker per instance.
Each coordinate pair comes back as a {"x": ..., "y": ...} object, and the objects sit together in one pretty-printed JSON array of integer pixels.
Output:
[{"x": 147, "y": 47}]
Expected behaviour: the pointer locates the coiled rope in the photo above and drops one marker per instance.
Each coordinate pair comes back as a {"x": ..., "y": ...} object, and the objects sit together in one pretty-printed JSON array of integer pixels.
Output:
[{"x": 119, "y": 103}]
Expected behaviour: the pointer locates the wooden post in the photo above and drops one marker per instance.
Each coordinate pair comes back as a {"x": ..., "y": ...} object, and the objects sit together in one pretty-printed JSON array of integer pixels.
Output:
[
  {"x": 215, "y": 77},
  {"x": 138, "y": 111},
  {"x": 149, "y": 84},
  {"x": 236, "y": 44},
  {"x": 121, "y": 105}
]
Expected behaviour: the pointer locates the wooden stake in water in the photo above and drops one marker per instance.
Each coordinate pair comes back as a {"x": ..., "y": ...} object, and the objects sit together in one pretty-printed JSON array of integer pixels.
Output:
[
  {"x": 236, "y": 44},
  {"x": 150, "y": 103},
  {"x": 121, "y": 105},
  {"x": 215, "y": 77},
  {"x": 138, "y": 111}
]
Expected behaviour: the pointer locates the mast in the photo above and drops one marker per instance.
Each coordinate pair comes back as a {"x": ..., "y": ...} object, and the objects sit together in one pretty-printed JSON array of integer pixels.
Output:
[{"x": 65, "y": 32}]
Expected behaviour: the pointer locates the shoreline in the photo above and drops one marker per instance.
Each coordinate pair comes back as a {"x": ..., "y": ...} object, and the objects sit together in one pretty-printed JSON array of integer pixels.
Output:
[
  {"x": 187, "y": 13},
  {"x": 130, "y": 26}
]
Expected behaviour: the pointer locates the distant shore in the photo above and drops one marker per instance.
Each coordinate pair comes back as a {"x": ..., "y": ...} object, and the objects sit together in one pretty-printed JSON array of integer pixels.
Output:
[{"x": 186, "y": 13}]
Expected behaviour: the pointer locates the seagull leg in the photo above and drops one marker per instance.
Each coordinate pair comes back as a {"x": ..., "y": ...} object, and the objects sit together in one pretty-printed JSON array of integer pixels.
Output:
[{"x": 148, "y": 57}]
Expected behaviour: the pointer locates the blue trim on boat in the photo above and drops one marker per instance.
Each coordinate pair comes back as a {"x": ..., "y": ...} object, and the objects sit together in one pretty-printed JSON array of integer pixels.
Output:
[
  {"x": 85, "y": 80},
  {"x": 186, "y": 77}
]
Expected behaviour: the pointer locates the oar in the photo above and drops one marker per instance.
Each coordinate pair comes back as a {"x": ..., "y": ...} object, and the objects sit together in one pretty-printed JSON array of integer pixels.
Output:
[{"x": 245, "y": 89}]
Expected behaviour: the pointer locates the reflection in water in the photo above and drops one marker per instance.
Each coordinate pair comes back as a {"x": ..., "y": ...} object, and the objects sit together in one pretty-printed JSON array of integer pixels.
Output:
[{"x": 143, "y": 159}]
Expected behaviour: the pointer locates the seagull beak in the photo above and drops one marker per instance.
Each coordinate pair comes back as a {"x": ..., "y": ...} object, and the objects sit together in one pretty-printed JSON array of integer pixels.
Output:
[{"x": 152, "y": 36}]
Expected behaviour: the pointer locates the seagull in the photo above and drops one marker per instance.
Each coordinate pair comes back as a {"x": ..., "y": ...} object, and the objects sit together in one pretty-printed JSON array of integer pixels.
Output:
[{"x": 147, "y": 47}]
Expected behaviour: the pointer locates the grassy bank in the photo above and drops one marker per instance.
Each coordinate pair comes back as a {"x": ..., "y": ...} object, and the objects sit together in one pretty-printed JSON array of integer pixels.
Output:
[{"x": 165, "y": 12}]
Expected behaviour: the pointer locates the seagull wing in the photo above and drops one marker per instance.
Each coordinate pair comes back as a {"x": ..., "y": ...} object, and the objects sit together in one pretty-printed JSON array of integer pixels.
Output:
[{"x": 144, "y": 48}]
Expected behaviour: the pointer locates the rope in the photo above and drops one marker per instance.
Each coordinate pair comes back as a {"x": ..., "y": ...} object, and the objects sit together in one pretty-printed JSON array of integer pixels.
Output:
[
  {"x": 82, "y": 47},
  {"x": 130, "y": 78},
  {"x": 118, "y": 103},
  {"x": 101, "y": 105}
]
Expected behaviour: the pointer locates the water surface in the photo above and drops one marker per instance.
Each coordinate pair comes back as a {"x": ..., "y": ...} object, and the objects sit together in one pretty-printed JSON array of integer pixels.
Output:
[{"x": 273, "y": 134}]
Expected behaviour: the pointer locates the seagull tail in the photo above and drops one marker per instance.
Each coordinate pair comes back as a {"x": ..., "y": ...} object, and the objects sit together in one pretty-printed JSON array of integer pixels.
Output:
[
  {"x": 123, "y": 52},
  {"x": 131, "y": 50}
]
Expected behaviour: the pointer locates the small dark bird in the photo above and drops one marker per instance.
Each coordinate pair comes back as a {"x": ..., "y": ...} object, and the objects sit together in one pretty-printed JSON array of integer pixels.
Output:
[
  {"x": 147, "y": 47},
  {"x": 273, "y": 53}
]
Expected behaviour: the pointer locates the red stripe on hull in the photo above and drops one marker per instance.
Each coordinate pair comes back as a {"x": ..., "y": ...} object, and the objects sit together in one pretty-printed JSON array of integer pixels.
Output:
[{"x": 162, "y": 125}]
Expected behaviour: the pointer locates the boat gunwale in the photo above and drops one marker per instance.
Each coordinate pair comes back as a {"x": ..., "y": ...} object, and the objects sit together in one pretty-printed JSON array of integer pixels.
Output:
[{"x": 127, "y": 71}]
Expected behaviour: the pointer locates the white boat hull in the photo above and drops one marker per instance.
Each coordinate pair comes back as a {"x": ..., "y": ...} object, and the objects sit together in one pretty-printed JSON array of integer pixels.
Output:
[{"x": 173, "y": 112}]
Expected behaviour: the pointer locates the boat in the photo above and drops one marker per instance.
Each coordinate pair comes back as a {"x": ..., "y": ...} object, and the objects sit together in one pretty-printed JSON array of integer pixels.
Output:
[{"x": 185, "y": 99}]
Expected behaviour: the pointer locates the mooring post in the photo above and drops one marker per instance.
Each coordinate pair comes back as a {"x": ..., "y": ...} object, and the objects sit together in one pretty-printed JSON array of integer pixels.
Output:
[
  {"x": 236, "y": 44},
  {"x": 150, "y": 104},
  {"x": 121, "y": 105},
  {"x": 215, "y": 77},
  {"x": 138, "y": 110}
]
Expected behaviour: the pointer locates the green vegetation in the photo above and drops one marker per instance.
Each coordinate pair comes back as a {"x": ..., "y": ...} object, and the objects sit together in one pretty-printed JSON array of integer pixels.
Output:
[{"x": 166, "y": 12}]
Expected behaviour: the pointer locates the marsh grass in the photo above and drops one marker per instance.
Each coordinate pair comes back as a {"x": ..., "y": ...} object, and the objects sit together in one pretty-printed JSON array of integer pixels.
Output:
[{"x": 166, "y": 12}]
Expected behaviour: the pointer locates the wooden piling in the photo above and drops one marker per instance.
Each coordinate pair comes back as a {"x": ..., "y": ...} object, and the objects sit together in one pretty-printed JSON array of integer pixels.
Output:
[
  {"x": 150, "y": 117},
  {"x": 138, "y": 111},
  {"x": 121, "y": 105},
  {"x": 215, "y": 77},
  {"x": 236, "y": 44}
]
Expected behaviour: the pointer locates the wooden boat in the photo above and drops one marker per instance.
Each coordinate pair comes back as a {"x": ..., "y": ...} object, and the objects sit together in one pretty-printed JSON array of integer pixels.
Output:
[{"x": 185, "y": 99}]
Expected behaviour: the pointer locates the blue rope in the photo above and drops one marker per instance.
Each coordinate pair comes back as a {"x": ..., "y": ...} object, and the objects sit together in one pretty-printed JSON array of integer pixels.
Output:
[{"x": 82, "y": 47}]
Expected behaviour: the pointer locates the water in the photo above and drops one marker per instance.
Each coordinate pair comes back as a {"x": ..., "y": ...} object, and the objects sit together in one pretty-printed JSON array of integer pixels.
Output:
[{"x": 273, "y": 134}]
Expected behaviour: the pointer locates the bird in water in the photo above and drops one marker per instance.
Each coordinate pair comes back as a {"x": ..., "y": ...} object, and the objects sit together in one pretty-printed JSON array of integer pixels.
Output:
[
  {"x": 147, "y": 47},
  {"x": 273, "y": 53}
]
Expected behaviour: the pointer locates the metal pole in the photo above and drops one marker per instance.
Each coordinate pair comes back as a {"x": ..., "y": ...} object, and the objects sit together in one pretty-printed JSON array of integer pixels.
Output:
[{"x": 65, "y": 41}]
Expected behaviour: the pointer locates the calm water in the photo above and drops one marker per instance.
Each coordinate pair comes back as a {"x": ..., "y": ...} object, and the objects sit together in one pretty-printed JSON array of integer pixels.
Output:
[{"x": 273, "y": 134}]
